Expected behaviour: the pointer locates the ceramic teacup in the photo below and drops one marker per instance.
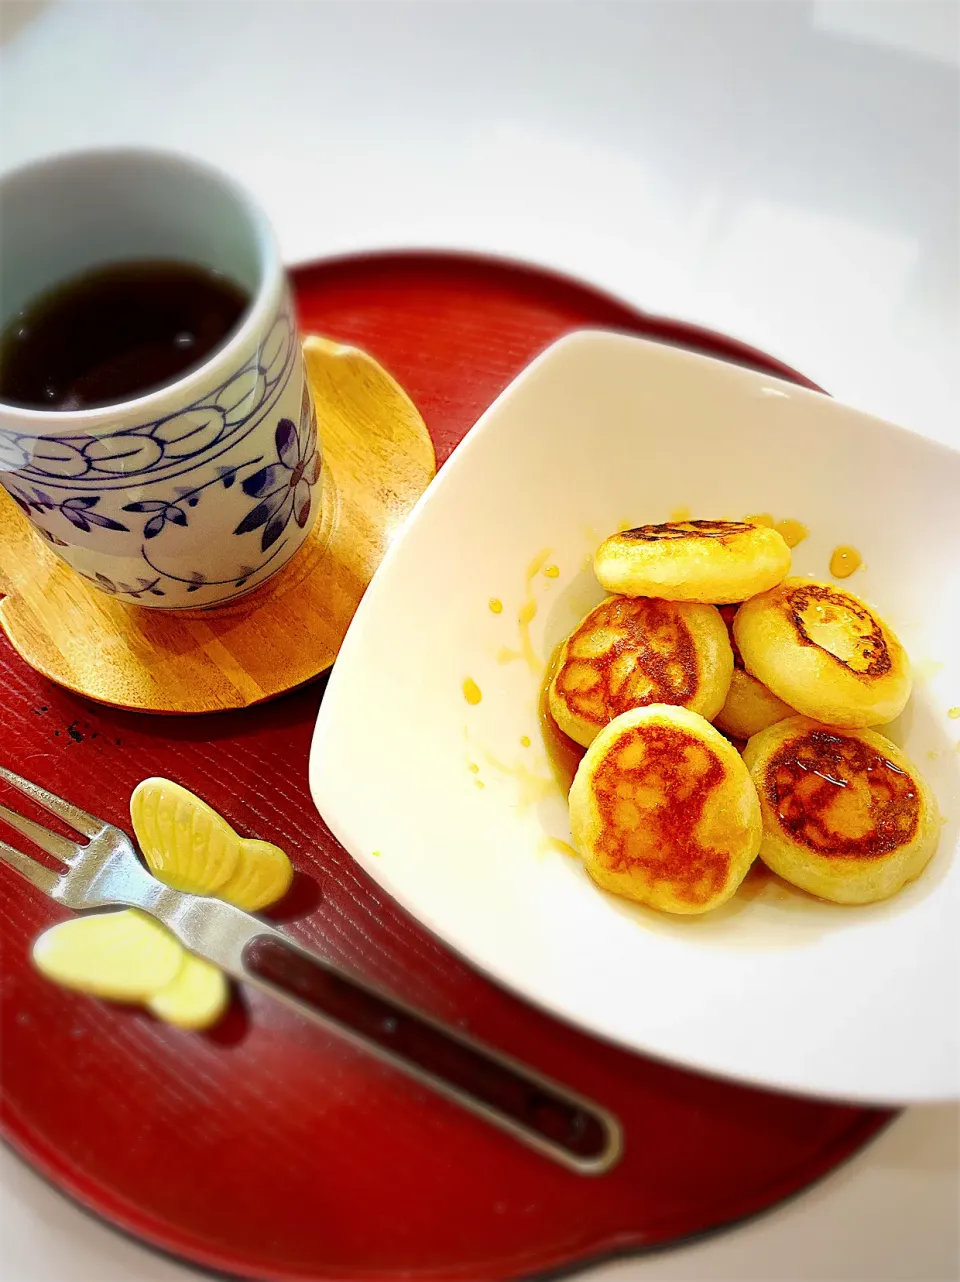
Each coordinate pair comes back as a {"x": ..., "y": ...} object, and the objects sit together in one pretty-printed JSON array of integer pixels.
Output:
[{"x": 197, "y": 491}]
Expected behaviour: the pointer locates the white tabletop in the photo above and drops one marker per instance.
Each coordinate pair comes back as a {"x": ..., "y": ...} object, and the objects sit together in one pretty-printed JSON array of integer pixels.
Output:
[{"x": 786, "y": 172}]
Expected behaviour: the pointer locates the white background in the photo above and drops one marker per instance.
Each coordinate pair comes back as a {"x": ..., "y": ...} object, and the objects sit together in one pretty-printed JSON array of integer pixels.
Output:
[{"x": 787, "y": 172}]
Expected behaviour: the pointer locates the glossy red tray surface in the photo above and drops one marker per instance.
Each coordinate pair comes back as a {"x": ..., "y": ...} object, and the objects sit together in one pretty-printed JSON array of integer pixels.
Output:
[{"x": 268, "y": 1148}]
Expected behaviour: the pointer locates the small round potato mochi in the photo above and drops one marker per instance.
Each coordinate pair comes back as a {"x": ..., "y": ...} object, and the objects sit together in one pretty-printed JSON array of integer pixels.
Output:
[
  {"x": 663, "y": 811},
  {"x": 633, "y": 651},
  {"x": 846, "y": 815},
  {"x": 824, "y": 652},
  {"x": 711, "y": 561},
  {"x": 750, "y": 706}
]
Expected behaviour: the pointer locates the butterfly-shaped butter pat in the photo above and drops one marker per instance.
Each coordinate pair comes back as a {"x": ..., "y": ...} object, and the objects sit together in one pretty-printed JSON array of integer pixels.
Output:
[
  {"x": 127, "y": 956},
  {"x": 188, "y": 846}
]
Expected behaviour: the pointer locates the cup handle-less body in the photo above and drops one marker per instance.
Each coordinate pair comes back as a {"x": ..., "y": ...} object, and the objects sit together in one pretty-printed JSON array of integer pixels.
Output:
[{"x": 193, "y": 492}]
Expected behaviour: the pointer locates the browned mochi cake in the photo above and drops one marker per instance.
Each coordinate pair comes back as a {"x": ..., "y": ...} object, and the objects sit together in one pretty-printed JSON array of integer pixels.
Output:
[
  {"x": 846, "y": 815},
  {"x": 824, "y": 652},
  {"x": 711, "y": 561},
  {"x": 663, "y": 811},
  {"x": 632, "y": 651},
  {"x": 749, "y": 706}
]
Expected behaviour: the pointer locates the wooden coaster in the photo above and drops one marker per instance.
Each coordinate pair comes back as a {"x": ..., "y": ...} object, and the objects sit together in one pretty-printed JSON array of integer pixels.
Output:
[{"x": 378, "y": 460}]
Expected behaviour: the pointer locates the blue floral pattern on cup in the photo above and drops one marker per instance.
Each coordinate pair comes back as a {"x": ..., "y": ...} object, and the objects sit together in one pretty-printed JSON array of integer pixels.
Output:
[
  {"x": 286, "y": 486},
  {"x": 155, "y": 489}
]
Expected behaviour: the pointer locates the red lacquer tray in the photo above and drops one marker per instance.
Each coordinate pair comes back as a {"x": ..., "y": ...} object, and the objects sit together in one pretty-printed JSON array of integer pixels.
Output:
[{"x": 268, "y": 1149}]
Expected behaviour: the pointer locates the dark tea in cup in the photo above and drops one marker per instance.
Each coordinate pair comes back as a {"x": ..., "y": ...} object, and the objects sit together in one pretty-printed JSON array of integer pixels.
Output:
[{"x": 114, "y": 332}]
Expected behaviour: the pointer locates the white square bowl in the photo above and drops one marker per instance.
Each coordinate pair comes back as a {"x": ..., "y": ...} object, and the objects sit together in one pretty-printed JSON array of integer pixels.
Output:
[{"x": 602, "y": 430}]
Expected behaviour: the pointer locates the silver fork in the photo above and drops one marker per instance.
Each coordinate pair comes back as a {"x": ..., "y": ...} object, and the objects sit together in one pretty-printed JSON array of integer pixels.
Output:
[{"x": 105, "y": 872}]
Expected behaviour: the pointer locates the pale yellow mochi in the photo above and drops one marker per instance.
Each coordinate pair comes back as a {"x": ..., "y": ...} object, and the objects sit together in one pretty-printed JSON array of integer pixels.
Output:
[
  {"x": 124, "y": 956},
  {"x": 195, "y": 999}
]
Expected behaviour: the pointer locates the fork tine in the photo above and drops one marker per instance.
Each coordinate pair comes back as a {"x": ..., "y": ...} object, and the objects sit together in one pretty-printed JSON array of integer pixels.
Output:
[
  {"x": 89, "y": 825},
  {"x": 49, "y": 841},
  {"x": 41, "y": 877}
]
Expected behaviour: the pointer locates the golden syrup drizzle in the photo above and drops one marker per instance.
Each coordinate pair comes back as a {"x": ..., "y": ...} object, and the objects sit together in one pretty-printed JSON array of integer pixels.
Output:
[
  {"x": 681, "y": 514},
  {"x": 531, "y": 787},
  {"x": 926, "y": 669},
  {"x": 791, "y": 531},
  {"x": 496, "y": 605},
  {"x": 844, "y": 561},
  {"x": 761, "y": 883},
  {"x": 528, "y": 612},
  {"x": 561, "y": 847},
  {"x": 471, "y": 691},
  {"x": 563, "y": 754}
]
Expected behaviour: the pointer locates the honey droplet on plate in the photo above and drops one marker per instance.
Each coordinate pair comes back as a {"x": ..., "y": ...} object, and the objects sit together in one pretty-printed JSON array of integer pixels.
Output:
[
  {"x": 844, "y": 561},
  {"x": 761, "y": 518},
  {"x": 552, "y": 572},
  {"x": 473, "y": 768},
  {"x": 792, "y": 532},
  {"x": 496, "y": 605},
  {"x": 525, "y": 738},
  {"x": 531, "y": 787},
  {"x": 471, "y": 691},
  {"x": 526, "y": 615},
  {"x": 954, "y": 714},
  {"x": 560, "y": 846}
]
